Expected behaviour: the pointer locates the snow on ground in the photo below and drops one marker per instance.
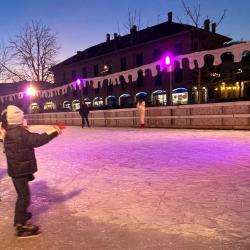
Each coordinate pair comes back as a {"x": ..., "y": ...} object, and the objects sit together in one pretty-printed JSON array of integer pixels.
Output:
[{"x": 127, "y": 188}]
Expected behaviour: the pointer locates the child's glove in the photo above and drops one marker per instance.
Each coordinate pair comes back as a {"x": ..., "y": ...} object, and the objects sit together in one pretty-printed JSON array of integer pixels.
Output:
[
  {"x": 61, "y": 125},
  {"x": 58, "y": 129},
  {"x": 53, "y": 130}
]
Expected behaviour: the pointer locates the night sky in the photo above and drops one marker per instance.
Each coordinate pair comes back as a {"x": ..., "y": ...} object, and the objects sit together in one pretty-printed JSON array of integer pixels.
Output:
[{"x": 83, "y": 23}]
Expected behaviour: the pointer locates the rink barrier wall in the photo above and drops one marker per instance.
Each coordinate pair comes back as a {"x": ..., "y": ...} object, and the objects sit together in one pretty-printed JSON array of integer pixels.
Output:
[{"x": 230, "y": 115}]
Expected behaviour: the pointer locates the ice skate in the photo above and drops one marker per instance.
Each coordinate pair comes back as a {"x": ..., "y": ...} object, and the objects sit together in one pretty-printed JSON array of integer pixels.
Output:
[{"x": 27, "y": 231}]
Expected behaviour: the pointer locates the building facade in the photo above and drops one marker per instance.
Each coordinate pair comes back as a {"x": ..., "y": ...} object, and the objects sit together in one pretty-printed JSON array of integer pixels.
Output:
[
  {"x": 134, "y": 50},
  {"x": 183, "y": 84}
]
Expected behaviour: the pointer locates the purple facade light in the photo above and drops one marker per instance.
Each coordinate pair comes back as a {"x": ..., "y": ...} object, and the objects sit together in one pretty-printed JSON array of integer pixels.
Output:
[
  {"x": 168, "y": 62},
  {"x": 78, "y": 81}
]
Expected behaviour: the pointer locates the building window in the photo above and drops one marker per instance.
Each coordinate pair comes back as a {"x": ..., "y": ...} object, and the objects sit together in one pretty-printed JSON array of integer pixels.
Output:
[
  {"x": 96, "y": 70},
  {"x": 85, "y": 90},
  {"x": 73, "y": 75},
  {"x": 139, "y": 60},
  {"x": 109, "y": 88},
  {"x": 123, "y": 63},
  {"x": 157, "y": 54},
  {"x": 178, "y": 49},
  {"x": 123, "y": 82},
  {"x": 158, "y": 77},
  {"x": 110, "y": 69},
  {"x": 84, "y": 72},
  {"x": 195, "y": 46},
  {"x": 178, "y": 75},
  {"x": 75, "y": 92},
  {"x": 97, "y": 90},
  {"x": 64, "y": 77},
  {"x": 139, "y": 82}
]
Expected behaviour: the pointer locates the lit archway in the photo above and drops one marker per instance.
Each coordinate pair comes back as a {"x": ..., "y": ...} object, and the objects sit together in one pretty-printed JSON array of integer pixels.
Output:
[
  {"x": 204, "y": 94},
  {"x": 34, "y": 107},
  {"x": 49, "y": 106},
  {"x": 195, "y": 94},
  {"x": 159, "y": 97},
  {"x": 141, "y": 95},
  {"x": 87, "y": 101},
  {"x": 125, "y": 100},
  {"x": 180, "y": 96},
  {"x": 67, "y": 105},
  {"x": 76, "y": 105},
  {"x": 111, "y": 101},
  {"x": 98, "y": 102}
]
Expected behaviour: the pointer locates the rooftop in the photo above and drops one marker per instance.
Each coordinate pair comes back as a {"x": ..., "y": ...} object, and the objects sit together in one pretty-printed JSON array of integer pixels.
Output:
[{"x": 134, "y": 38}]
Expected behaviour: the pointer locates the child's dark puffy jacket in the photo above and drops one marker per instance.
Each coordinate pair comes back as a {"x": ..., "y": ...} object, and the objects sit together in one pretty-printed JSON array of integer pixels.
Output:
[{"x": 19, "y": 146}]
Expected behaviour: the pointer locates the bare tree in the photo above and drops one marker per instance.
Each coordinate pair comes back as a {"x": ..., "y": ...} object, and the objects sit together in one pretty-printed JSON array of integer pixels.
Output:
[
  {"x": 34, "y": 51},
  {"x": 194, "y": 14},
  {"x": 221, "y": 17},
  {"x": 7, "y": 72},
  {"x": 133, "y": 19}
]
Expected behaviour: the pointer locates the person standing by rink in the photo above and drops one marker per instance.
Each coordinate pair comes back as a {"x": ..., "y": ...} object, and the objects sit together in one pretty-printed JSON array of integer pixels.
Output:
[
  {"x": 19, "y": 144},
  {"x": 141, "y": 108},
  {"x": 84, "y": 112},
  {"x": 3, "y": 123}
]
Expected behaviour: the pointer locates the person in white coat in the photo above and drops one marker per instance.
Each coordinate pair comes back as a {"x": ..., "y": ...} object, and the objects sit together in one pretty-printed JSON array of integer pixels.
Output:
[{"x": 141, "y": 108}]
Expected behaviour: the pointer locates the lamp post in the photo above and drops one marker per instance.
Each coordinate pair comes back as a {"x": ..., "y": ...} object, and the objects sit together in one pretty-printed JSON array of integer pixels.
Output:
[
  {"x": 168, "y": 62},
  {"x": 199, "y": 85},
  {"x": 78, "y": 81},
  {"x": 30, "y": 91}
]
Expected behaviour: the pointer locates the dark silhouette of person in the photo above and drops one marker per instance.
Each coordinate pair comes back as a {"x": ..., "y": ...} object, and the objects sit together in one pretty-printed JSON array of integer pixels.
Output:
[{"x": 84, "y": 113}]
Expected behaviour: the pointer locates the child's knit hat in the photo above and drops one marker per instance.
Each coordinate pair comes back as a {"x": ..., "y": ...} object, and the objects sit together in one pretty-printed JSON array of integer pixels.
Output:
[{"x": 15, "y": 115}]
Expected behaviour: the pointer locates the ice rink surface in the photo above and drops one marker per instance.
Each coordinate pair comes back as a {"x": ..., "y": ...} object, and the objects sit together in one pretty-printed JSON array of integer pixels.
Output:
[{"x": 128, "y": 188}]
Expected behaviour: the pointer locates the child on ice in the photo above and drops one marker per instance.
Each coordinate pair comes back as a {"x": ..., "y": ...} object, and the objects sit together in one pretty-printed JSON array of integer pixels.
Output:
[{"x": 19, "y": 144}]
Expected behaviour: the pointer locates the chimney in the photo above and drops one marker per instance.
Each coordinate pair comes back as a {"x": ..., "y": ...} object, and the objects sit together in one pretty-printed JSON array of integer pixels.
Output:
[
  {"x": 133, "y": 29},
  {"x": 115, "y": 35},
  {"x": 108, "y": 37},
  {"x": 214, "y": 28},
  {"x": 206, "y": 25},
  {"x": 170, "y": 17}
]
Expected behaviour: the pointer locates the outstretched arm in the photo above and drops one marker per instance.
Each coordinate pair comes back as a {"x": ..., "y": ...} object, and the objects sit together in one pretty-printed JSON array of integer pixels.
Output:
[{"x": 37, "y": 140}]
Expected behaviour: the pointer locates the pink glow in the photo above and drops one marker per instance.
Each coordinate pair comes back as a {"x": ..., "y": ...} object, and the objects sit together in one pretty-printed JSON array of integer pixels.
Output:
[
  {"x": 78, "y": 81},
  {"x": 30, "y": 91},
  {"x": 168, "y": 60}
]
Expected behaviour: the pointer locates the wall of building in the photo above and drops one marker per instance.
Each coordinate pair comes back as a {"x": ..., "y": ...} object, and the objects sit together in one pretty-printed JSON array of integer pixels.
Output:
[{"x": 233, "y": 115}]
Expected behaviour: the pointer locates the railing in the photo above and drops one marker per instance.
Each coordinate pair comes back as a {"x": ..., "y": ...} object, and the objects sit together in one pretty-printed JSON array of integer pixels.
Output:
[{"x": 235, "y": 115}]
